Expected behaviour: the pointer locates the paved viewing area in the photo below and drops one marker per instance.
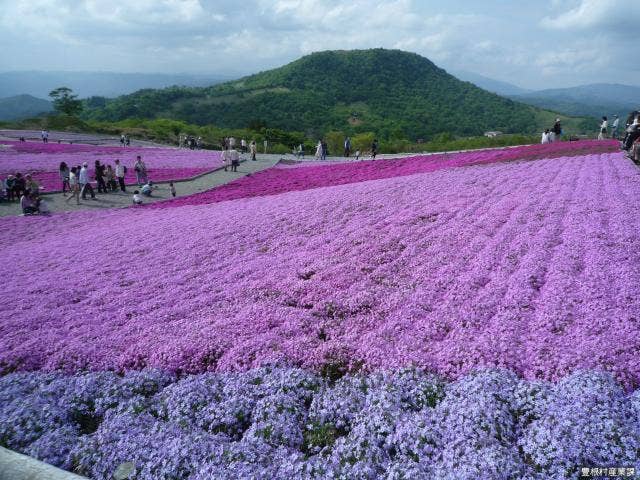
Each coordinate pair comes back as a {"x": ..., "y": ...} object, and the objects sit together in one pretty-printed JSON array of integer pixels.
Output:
[{"x": 58, "y": 203}]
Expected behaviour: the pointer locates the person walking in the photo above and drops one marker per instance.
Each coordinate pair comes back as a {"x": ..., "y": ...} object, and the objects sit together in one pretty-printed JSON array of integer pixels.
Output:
[
  {"x": 226, "y": 159},
  {"x": 64, "y": 177},
  {"x": 254, "y": 150},
  {"x": 120, "y": 173},
  {"x": 603, "y": 129},
  {"x": 325, "y": 150},
  {"x": 243, "y": 145},
  {"x": 102, "y": 186},
  {"x": 374, "y": 149},
  {"x": 85, "y": 185},
  {"x": 319, "y": 150},
  {"x": 347, "y": 147},
  {"x": 614, "y": 127},
  {"x": 141, "y": 171},
  {"x": 265, "y": 144},
  {"x": 74, "y": 188},
  {"x": 172, "y": 189}
]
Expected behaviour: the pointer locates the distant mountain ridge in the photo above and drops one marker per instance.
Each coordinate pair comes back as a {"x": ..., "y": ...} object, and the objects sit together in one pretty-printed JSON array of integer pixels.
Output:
[
  {"x": 105, "y": 84},
  {"x": 490, "y": 84},
  {"x": 23, "y": 106},
  {"x": 592, "y": 100},
  {"x": 393, "y": 93}
]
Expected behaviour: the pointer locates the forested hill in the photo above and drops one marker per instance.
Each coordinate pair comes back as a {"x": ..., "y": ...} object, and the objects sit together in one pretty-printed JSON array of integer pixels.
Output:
[{"x": 393, "y": 93}]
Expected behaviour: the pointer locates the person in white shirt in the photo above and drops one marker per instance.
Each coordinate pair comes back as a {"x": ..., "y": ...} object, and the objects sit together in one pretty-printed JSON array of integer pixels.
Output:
[
  {"x": 226, "y": 159},
  {"x": 147, "y": 189},
  {"x": 74, "y": 188},
  {"x": 137, "y": 199},
  {"x": 120, "y": 175},
  {"x": 603, "y": 129},
  {"x": 232, "y": 142},
  {"x": 235, "y": 159},
  {"x": 545, "y": 136},
  {"x": 614, "y": 127},
  {"x": 85, "y": 185},
  {"x": 254, "y": 150},
  {"x": 243, "y": 145}
]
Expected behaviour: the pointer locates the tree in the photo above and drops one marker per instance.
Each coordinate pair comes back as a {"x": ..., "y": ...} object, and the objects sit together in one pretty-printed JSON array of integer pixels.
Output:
[{"x": 64, "y": 101}]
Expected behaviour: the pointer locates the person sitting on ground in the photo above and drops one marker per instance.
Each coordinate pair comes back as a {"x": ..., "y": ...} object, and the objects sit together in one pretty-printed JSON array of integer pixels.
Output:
[
  {"x": 147, "y": 189},
  {"x": 137, "y": 199},
  {"x": 28, "y": 204}
]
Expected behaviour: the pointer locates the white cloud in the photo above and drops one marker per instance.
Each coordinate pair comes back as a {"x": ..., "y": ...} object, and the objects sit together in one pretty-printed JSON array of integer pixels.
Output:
[
  {"x": 519, "y": 43},
  {"x": 611, "y": 16}
]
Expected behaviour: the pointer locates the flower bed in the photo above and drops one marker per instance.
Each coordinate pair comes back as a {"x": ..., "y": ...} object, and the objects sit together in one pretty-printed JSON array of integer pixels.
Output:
[
  {"x": 534, "y": 266},
  {"x": 44, "y": 159},
  {"x": 310, "y": 175},
  {"x": 284, "y": 423}
]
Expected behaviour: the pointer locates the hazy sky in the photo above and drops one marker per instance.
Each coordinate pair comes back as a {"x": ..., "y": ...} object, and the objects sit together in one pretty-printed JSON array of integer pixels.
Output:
[{"x": 534, "y": 44}]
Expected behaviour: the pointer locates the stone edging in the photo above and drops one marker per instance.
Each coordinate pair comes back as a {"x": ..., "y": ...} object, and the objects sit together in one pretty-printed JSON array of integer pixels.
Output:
[{"x": 15, "y": 466}]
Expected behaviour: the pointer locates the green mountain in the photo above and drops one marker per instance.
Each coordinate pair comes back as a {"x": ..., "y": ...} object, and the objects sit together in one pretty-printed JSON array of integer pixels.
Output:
[
  {"x": 23, "y": 106},
  {"x": 393, "y": 93}
]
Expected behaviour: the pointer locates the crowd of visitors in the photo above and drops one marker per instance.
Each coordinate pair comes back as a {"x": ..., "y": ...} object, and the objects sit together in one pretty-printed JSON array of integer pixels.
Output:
[
  {"x": 25, "y": 190},
  {"x": 76, "y": 182},
  {"x": 190, "y": 142}
]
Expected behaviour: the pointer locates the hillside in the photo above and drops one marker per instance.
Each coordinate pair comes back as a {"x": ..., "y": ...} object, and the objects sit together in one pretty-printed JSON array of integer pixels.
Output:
[
  {"x": 22, "y": 106},
  {"x": 591, "y": 100},
  {"x": 392, "y": 93}
]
